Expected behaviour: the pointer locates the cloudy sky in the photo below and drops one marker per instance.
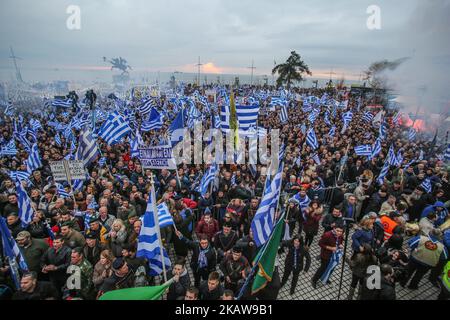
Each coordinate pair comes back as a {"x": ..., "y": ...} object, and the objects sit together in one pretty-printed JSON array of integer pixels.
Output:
[{"x": 169, "y": 35}]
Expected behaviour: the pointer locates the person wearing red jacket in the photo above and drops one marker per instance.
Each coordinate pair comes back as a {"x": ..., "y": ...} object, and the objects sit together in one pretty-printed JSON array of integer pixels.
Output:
[
  {"x": 207, "y": 226},
  {"x": 329, "y": 243}
]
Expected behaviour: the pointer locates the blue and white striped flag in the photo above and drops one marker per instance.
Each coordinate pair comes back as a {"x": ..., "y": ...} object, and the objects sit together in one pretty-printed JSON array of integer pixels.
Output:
[
  {"x": 9, "y": 149},
  {"x": 426, "y": 185},
  {"x": 59, "y": 102},
  {"x": 58, "y": 140},
  {"x": 154, "y": 121},
  {"x": 149, "y": 242},
  {"x": 61, "y": 191},
  {"x": 384, "y": 172},
  {"x": 326, "y": 119},
  {"x": 164, "y": 216},
  {"x": 135, "y": 145},
  {"x": 12, "y": 252},
  {"x": 376, "y": 148},
  {"x": 284, "y": 114},
  {"x": 264, "y": 219},
  {"x": 383, "y": 131},
  {"x": 311, "y": 139},
  {"x": 114, "y": 129},
  {"x": 411, "y": 134},
  {"x": 207, "y": 178},
  {"x": 396, "y": 118},
  {"x": 34, "y": 160},
  {"x": 332, "y": 131},
  {"x": 364, "y": 150},
  {"x": 247, "y": 117},
  {"x": 87, "y": 148},
  {"x": 334, "y": 262},
  {"x": 24, "y": 203},
  {"x": 147, "y": 106},
  {"x": 368, "y": 117},
  {"x": 447, "y": 154}
]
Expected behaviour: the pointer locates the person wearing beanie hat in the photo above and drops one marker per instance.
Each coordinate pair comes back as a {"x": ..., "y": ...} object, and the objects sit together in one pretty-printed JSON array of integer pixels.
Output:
[{"x": 232, "y": 267}]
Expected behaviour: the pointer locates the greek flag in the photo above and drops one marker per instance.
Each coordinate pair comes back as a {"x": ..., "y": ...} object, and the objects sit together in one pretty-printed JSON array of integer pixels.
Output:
[
  {"x": 364, "y": 150},
  {"x": 392, "y": 158},
  {"x": 12, "y": 252},
  {"x": 411, "y": 134},
  {"x": 302, "y": 202},
  {"x": 154, "y": 121},
  {"x": 216, "y": 122},
  {"x": 399, "y": 158},
  {"x": 207, "y": 178},
  {"x": 326, "y": 119},
  {"x": 347, "y": 118},
  {"x": 421, "y": 155},
  {"x": 34, "y": 160},
  {"x": 87, "y": 148},
  {"x": 376, "y": 148},
  {"x": 176, "y": 129},
  {"x": 135, "y": 145},
  {"x": 246, "y": 115},
  {"x": 334, "y": 262},
  {"x": 313, "y": 116},
  {"x": 24, "y": 203},
  {"x": 311, "y": 139},
  {"x": 447, "y": 154},
  {"x": 149, "y": 242},
  {"x": 264, "y": 220},
  {"x": 368, "y": 117},
  {"x": 277, "y": 101},
  {"x": 20, "y": 175},
  {"x": 59, "y": 102},
  {"x": 332, "y": 131},
  {"x": 9, "y": 110},
  {"x": 396, "y": 118},
  {"x": 383, "y": 131},
  {"x": 58, "y": 140},
  {"x": 164, "y": 216},
  {"x": 147, "y": 106},
  {"x": 61, "y": 191},
  {"x": 284, "y": 114},
  {"x": 9, "y": 149},
  {"x": 114, "y": 129},
  {"x": 102, "y": 161},
  {"x": 35, "y": 124},
  {"x": 384, "y": 172},
  {"x": 426, "y": 185}
]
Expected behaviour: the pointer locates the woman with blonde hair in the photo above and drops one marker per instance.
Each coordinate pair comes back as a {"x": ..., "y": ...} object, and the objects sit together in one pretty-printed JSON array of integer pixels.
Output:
[
  {"x": 364, "y": 234},
  {"x": 103, "y": 268},
  {"x": 117, "y": 237}
]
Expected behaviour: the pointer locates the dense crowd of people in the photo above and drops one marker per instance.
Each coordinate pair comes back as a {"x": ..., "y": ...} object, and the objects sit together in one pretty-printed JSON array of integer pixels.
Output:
[{"x": 397, "y": 225}]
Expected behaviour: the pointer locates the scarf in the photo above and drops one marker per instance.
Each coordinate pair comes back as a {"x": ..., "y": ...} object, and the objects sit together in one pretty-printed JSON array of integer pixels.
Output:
[{"x": 202, "y": 260}]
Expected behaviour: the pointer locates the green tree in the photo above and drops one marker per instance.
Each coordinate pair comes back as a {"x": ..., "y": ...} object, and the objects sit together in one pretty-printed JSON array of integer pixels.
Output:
[{"x": 292, "y": 70}]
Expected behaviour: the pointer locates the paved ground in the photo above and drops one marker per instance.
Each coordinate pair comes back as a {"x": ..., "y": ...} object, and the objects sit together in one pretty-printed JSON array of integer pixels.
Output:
[{"x": 305, "y": 291}]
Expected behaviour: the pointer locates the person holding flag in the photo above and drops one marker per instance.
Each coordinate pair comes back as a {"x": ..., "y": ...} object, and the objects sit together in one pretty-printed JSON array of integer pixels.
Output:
[{"x": 330, "y": 253}]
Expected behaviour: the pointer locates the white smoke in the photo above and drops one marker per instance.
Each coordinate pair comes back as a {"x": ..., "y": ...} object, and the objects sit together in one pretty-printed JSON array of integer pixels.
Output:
[{"x": 424, "y": 79}]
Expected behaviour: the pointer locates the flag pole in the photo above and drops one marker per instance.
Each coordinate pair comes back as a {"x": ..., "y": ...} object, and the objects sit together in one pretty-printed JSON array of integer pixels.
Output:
[{"x": 155, "y": 217}]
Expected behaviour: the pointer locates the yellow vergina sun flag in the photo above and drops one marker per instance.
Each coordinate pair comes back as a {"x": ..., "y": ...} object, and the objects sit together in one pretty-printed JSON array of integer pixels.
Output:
[{"x": 234, "y": 123}]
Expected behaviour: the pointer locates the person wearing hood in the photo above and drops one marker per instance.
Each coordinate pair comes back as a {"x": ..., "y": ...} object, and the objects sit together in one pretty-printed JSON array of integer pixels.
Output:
[
  {"x": 439, "y": 209},
  {"x": 204, "y": 257}
]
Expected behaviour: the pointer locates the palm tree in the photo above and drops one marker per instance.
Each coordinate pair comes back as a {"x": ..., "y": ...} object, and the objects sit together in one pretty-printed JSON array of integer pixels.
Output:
[{"x": 292, "y": 70}]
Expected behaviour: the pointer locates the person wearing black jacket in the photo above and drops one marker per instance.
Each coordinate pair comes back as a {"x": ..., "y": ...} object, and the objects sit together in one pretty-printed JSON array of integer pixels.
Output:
[
  {"x": 31, "y": 289},
  {"x": 55, "y": 262},
  {"x": 247, "y": 243},
  {"x": 295, "y": 261},
  {"x": 224, "y": 241},
  {"x": 211, "y": 289},
  {"x": 387, "y": 286},
  {"x": 204, "y": 257},
  {"x": 332, "y": 219},
  {"x": 181, "y": 281}
]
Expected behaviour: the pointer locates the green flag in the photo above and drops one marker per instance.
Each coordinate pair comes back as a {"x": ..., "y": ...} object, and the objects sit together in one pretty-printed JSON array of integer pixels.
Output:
[
  {"x": 139, "y": 293},
  {"x": 266, "y": 263}
]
